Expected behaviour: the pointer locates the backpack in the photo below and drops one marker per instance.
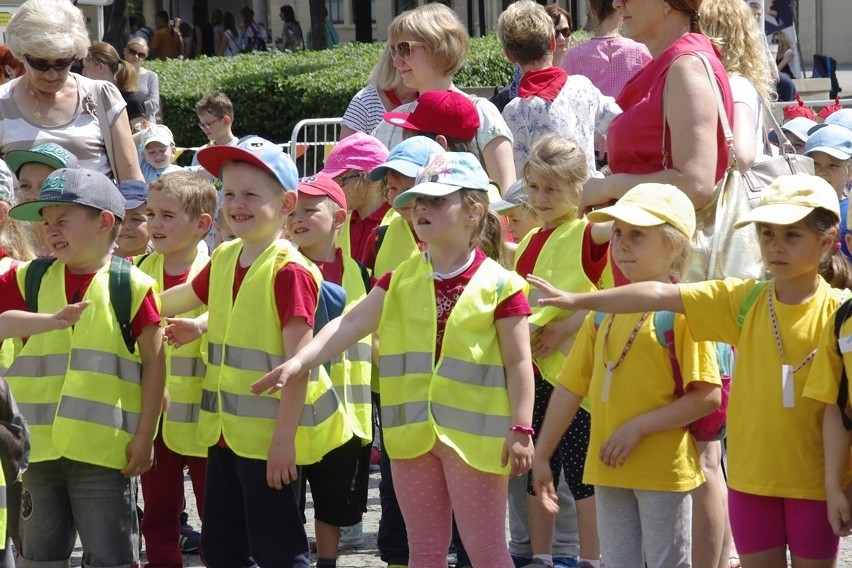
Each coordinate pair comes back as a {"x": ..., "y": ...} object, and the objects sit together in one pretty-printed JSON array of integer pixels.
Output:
[
  {"x": 14, "y": 436},
  {"x": 712, "y": 426},
  {"x": 840, "y": 316},
  {"x": 119, "y": 292},
  {"x": 255, "y": 41}
]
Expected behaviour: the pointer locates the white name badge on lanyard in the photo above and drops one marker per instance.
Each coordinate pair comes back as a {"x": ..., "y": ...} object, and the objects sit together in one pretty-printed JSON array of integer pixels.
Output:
[
  {"x": 788, "y": 392},
  {"x": 845, "y": 344}
]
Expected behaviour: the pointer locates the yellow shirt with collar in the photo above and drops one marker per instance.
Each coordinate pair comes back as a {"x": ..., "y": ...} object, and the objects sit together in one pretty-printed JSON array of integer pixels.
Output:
[
  {"x": 663, "y": 461},
  {"x": 772, "y": 450}
]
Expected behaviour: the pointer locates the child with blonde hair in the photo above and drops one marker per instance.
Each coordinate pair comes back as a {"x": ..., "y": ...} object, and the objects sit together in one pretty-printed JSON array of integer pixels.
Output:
[
  {"x": 456, "y": 401},
  {"x": 776, "y": 496}
]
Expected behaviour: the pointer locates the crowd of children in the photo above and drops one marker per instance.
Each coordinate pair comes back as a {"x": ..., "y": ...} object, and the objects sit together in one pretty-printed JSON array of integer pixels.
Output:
[{"x": 267, "y": 333}]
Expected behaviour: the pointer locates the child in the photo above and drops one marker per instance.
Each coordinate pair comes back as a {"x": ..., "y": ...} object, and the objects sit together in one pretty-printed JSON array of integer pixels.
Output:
[
  {"x": 93, "y": 411},
  {"x": 261, "y": 295},
  {"x": 645, "y": 503},
  {"x": 349, "y": 163},
  {"x": 215, "y": 113},
  {"x": 574, "y": 252},
  {"x": 830, "y": 146},
  {"x": 157, "y": 150},
  {"x": 336, "y": 485},
  {"x": 797, "y": 131},
  {"x": 775, "y": 452},
  {"x": 457, "y": 402},
  {"x": 179, "y": 213},
  {"x": 548, "y": 101},
  {"x": 133, "y": 238},
  {"x": 396, "y": 241},
  {"x": 520, "y": 216}
]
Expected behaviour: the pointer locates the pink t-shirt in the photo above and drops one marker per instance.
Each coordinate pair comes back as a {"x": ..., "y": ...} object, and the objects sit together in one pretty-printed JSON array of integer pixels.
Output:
[{"x": 608, "y": 62}]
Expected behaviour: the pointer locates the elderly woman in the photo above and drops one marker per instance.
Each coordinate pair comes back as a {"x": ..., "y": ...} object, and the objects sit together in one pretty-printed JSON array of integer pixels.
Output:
[
  {"x": 147, "y": 82},
  {"x": 48, "y": 103},
  {"x": 696, "y": 156},
  {"x": 103, "y": 64},
  {"x": 428, "y": 45}
]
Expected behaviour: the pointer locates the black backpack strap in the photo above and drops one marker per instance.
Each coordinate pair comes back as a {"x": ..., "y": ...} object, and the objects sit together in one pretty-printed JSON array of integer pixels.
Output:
[
  {"x": 120, "y": 297},
  {"x": 840, "y": 316},
  {"x": 32, "y": 281},
  {"x": 140, "y": 259},
  {"x": 380, "y": 237},
  {"x": 365, "y": 276}
]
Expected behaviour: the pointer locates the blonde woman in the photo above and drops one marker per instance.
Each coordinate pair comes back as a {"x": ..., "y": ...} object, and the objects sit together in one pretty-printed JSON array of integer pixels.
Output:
[
  {"x": 147, "y": 82},
  {"x": 732, "y": 28}
]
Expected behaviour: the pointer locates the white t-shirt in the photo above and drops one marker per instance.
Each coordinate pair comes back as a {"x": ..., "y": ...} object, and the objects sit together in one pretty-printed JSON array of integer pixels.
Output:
[{"x": 744, "y": 93}]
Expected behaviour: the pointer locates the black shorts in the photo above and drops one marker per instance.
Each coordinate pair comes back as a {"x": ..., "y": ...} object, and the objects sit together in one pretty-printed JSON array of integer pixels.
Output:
[
  {"x": 334, "y": 487},
  {"x": 570, "y": 455}
]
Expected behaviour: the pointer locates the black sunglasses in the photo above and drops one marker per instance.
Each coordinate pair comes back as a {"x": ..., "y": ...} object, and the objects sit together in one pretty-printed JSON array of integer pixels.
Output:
[
  {"x": 43, "y": 66},
  {"x": 564, "y": 32},
  {"x": 138, "y": 54}
]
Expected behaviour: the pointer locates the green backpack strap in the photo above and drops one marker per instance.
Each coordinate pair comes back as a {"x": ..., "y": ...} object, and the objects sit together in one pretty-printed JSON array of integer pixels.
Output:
[
  {"x": 120, "y": 297},
  {"x": 749, "y": 301},
  {"x": 32, "y": 281}
]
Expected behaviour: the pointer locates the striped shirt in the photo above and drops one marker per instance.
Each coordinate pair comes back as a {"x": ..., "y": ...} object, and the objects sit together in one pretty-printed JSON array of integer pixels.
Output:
[{"x": 365, "y": 110}]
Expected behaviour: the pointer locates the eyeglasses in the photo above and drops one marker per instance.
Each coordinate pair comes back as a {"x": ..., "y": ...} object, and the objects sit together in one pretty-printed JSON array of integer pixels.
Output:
[
  {"x": 403, "y": 48},
  {"x": 138, "y": 54},
  {"x": 344, "y": 179},
  {"x": 564, "y": 32},
  {"x": 207, "y": 125},
  {"x": 43, "y": 66}
]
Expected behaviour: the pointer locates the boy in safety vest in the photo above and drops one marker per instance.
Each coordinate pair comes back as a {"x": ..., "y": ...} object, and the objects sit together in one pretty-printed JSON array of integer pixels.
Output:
[
  {"x": 338, "y": 482},
  {"x": 91, "y": 393},
  {"x": 180, "y": 208},
  {"x": 262, "y": 295}
]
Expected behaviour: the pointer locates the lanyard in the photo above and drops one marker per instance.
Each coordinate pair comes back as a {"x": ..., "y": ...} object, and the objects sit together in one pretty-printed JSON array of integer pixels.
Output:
[
  {"x": 610, "y": 366},
  {"x": 775, "y": 329}
]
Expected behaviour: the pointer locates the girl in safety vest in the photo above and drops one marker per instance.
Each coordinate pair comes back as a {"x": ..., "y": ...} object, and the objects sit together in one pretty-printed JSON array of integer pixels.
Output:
[
  {"x": 776, "y": 479},
  {"x": 454, "y": 365}
]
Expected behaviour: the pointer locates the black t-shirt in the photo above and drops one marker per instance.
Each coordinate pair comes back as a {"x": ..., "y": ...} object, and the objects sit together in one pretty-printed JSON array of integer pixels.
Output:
[{"x": 135, "y": 105}]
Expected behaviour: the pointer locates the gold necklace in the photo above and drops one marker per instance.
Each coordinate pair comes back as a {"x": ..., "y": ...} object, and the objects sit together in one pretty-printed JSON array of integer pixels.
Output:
[{"x": 37, "y": 113}]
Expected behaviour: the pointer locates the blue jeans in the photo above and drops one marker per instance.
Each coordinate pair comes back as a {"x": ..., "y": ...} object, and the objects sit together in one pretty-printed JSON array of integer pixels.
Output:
[{"x": 62, "y": 498}]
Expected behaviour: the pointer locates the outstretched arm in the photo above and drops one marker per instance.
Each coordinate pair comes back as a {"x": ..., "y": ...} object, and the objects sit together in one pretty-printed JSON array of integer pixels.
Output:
[
  {"x": 633, "y": 298},
  {"x": 18, "y": 323},
  {"x": 178, "y": 300}
]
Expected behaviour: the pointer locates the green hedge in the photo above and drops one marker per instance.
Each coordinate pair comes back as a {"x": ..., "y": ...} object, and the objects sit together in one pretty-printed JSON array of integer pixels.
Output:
[{"x": 272, "y": 91}]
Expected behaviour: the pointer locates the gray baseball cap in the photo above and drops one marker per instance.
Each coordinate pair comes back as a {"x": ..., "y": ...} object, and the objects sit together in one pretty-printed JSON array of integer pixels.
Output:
[{"x": 77, "y": 186}]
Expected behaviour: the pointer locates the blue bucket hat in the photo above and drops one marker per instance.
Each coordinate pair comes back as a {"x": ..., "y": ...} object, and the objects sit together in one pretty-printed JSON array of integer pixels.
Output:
[
  {"x": 256, "y": 151},
  {"x": 73, "y": 186},
  {"x": 830, "y": 139},
  {"x": 444, "y": 174},
  {"x": 408, "y": 157}
]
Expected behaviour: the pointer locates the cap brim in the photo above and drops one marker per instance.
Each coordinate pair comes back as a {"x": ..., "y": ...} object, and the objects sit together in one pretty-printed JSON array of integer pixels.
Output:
[
  {"x": 31, "y": 210},
  {"x": 163, "y": 141},
  {"x": 331, "y": 173},
  {"x": 429, "y": 188},
  {"x": 775, "y": 214},
  {"x": 17, "y": 159},
  {"x": 831, "y": 151},
  {"x": 626, "y": 213},
  {"x": 399, "y": 119},
  {"x": 403, "y": 167},
  {"x": 213, "y": 158},
  {"x": 134, "y": 203},
  {"x": 502, "y": 205}
]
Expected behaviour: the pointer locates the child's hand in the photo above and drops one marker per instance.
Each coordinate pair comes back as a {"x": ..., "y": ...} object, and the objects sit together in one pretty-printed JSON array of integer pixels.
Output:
[
  {"x": 550, "y": 337},
  {"x": 281, "y": 463},
  {"x": 166, "y": 401},
  {"x": 551, "y": 296},
  {"x": 518, "y": 453},
  {"x": 615, "y": 450},
  {"x": 140, "y": 456},
  {"x": 181, "y": 331},
  {"x": 838, "y": 512},
  {"x": 542, "y": 478},
  {"x": 70, "y": 314},
  {"x": 277, "y": 378}
]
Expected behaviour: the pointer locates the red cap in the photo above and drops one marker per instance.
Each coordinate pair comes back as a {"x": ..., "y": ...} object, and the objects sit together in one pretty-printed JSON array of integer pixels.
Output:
[
  {"x": 323, "y": 186},
  {"x": 448, "y": 113}
]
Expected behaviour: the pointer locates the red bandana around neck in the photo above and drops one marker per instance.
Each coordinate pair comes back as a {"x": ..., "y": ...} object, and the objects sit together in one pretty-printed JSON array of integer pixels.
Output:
[{"x": 543, "y": 83}]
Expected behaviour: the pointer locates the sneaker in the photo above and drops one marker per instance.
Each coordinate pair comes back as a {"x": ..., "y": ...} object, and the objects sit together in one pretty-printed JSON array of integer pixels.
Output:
[
  {"x": 190, "y": 540},
  {"x": 375, "y": 456},
  {"x": 350, "y": 537}
]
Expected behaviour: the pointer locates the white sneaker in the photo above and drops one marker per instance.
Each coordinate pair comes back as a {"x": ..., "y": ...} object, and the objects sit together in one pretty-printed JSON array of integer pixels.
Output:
[{"x": 350, "y": 537}]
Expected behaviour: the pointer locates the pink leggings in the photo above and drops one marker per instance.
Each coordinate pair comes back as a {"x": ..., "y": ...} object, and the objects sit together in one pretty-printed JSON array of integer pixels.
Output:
[{"x": 430, "y": 488}]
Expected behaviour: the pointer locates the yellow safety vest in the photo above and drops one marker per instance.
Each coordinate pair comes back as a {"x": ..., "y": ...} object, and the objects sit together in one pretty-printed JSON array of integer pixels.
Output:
[
  {"x": 80, "y": 389},
  {"x": 461, "y": 399},
  {"x": 244, "y": 343},
  {"x": 344, "y": 237},
  {"x": 561, "y": 264},
  {"x": 185, "y": 370},
  {"x": 12, "y": 346},
  {"x": 398, "y": 245}
]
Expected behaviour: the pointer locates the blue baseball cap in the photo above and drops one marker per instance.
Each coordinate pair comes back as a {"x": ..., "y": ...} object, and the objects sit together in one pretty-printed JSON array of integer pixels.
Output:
[
  {"x": 843, "y": 118},
  {"x": 831, "y": 139},
  {"x": 73, "y": 186},
  {"x": 444, "y": 174},
  {"x": 408, "y": 157},
  {"x": 135, "y": 193},
  {"x": 256, "y": 151},
  {"x": 799, "y": 127},
  {"x": 49, "y": 154}
]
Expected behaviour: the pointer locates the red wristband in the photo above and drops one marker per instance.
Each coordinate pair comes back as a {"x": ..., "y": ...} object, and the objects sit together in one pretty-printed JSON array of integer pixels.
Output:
[{"x": 523, "y": 430}]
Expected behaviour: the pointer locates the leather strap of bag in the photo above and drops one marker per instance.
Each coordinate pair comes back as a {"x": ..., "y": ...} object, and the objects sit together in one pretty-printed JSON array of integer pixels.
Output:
[
  {"x": 103, "y": 122},
  {"x": 784, "y": 143}
]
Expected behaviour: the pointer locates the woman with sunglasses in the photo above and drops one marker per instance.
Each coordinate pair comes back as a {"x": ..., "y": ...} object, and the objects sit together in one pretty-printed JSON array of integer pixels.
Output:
[
  {"x": 428, "y": 45},
  {"x": 147, "y": 82},
  {"x": 103, "y": 63},
  {"x": 562, "y": 24},
  {"x": 48, "y": 103}
]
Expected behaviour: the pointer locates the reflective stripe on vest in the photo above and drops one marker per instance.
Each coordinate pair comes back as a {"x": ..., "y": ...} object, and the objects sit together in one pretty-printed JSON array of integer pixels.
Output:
[
  {"x": 93, "y": 361},
  {"x": 38, "y": 414},
  {"x": 188, "y": 366},
  {"x": 184, "y": 413},
  {"x": 41, "y": 366},
  {"x": 98, "y": 413}
]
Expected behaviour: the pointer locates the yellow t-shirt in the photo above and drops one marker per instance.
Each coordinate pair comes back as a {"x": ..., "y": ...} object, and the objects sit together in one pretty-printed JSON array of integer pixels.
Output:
[
  {"x": 773, "y": 450},
  {"x": 664, "y": 461}
]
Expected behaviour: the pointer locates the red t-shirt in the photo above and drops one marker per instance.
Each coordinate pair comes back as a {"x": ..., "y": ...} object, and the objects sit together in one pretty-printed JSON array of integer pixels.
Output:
[
  {"x": 295, "y": 291},
  {"x": 75, "y": 288},
  {"x": 332, "y": 271},
  {"x": 447, "y": 293},
  {"x": 360, "y": 229},
  {"x": 172, "y": 280},
  {"x": 594, "y": 256}
]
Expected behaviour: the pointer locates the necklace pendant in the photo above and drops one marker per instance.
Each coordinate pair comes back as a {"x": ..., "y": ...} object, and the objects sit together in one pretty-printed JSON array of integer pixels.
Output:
[{"x": 37, "y": 115}]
